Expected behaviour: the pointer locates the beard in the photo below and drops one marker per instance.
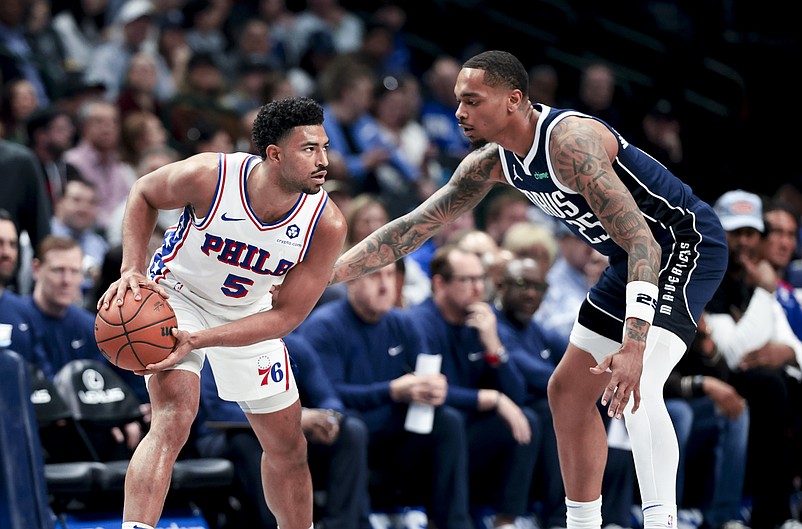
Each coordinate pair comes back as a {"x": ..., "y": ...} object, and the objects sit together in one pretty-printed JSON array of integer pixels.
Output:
[{"x": 478, "y": 143}]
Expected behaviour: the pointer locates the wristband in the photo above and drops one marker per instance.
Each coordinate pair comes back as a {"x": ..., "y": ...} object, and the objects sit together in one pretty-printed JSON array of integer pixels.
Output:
[
  {"x": 501, "y": 356},
  {"x": 641, "y": 300}
]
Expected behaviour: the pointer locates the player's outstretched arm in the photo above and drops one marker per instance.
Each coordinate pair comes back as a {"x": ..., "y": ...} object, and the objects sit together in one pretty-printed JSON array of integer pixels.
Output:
[{"x": 471, "y": 181}]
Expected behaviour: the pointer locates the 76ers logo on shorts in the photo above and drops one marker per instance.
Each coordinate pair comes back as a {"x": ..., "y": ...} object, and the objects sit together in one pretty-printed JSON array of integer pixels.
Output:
[{"x": 269, "y": 371}]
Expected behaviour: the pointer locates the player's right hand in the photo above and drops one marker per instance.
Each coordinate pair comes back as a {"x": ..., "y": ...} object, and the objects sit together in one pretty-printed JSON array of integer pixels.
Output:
[
  {"x": 626, "y": 366},
  {"x": 129, "y": 280}
]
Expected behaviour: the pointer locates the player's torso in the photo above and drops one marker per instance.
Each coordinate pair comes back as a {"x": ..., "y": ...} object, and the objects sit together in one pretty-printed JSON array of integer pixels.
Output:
[
  {"x": 230, "y": 257},
  {"x": 664, "y": 200}
]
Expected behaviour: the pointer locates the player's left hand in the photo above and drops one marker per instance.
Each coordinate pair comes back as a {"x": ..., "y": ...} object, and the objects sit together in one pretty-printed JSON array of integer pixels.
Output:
[
  {"x": 184, "y": 344},
  {"x": 626, "y": 366}
]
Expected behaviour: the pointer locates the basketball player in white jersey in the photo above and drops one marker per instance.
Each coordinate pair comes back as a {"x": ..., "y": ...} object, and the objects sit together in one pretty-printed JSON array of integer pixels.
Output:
[{"x": 250, "y": 223}]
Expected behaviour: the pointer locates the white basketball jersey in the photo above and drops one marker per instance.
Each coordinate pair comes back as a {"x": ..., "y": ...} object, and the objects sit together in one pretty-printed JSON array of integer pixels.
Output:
[{"x": 230, "y": 257}]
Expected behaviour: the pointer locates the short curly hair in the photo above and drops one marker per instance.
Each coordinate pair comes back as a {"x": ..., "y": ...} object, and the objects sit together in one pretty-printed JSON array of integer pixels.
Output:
[
  {"x": 501, "y": 69},
  {"x": 277, "y": 118}
]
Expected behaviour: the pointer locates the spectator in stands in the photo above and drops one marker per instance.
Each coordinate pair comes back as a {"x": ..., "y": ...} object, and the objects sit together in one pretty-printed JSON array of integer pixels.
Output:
[
  {"x": 16, "y": 327},
  {"x": 81, "y": 27},
  {"x": 744, "y": 316},
  {"x": 337, "y": 445},
  {"x": 281, "y": 23},
  {"x": 254, "y": 47},
  {"x": 50, "y": 135},
  {"x": 138, "y": 92},
  {"x": 536, "y": 241},
  {"x": 67, "y": 331},
  {"x": 249, "y": 90},
  {"x": 494, "y": 258},
  {"x": 97, "y": 157},
  {"x": 18, "y": 102},
  {"x": 779, "y": 247},
  {"x": 576, "y": 269},
  {"x": 721, "y": 425},
  {"x": 141, "y": 131},
  {"x": 348, "y": 86},
  {"x": 662, "y": 138},
  {"x": 76, "y": 92},
  {"x": 789, "y": 193},
  {"x": 437, "y": 113},
  {"x": 204, "y": 21},
  {"x": 369, "y": 348},
  {"x": 76, "y": 217},
  {"x": 209, "y": 136},
  {"x": 150, "y": 160},
  {"x": 25, "y": 198},
  {"x": 199, "y": 100},
  {"x": 544, "y": 83},
  {"x": 597, "y": 95},
  {"x": 17, "y": 60},
  {"x": 395, "y": 108},
  {"x": 109, "y": 60},
  {"x": 387, "y": 41},
  {"x": 503, "y": 208},
  {"x": 46, "y": 46},
  {"x": 503, "y": 437},
  {"x": 174, "y": 52},
  {"x": 345, "y": 27},
  {"x": 535, "y": 352}
]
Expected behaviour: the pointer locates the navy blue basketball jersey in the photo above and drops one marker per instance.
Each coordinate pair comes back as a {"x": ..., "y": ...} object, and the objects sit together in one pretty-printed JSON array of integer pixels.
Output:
[
  {"x": 667, "y": 204},
  {"x": 687, "y": 229}
]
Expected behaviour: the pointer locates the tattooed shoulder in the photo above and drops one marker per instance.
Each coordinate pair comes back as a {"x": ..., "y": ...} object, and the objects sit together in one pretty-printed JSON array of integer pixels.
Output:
[
  {"x": 478, "y": 169},
  {"x": 577, "y": 152}
]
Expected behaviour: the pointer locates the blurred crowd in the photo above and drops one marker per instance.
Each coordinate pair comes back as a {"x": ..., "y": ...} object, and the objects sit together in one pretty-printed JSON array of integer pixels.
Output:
[{"x": 97, "y": 93}]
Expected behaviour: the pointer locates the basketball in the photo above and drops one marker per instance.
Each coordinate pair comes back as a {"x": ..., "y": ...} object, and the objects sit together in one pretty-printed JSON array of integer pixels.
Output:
[{"x": 136, "y": 334}]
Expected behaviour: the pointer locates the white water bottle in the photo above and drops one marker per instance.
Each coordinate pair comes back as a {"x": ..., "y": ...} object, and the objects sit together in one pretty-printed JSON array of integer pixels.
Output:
[{"x": 420, "y": 417}]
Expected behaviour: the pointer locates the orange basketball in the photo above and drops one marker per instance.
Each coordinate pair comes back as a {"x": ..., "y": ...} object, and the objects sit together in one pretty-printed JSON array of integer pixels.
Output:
[{"x": 136, "y": 334}]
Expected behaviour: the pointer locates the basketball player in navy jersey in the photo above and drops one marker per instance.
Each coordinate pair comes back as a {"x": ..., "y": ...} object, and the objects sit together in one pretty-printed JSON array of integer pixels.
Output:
[
  {"x": 250, "y": 223},
  {"x": 667, "y": 255}
]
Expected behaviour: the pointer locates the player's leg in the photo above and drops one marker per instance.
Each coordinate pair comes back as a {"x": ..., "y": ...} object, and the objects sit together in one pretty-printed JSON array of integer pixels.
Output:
[
  {"x": 651, "y": 432},
  {"x": 286, "y": 479},
  {"x": 174, "y": 397},
  {"x": 581, "y": 438}
]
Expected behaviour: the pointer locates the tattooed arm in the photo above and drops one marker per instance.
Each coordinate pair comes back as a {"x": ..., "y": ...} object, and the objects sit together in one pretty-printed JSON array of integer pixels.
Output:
[
  {"x": 471, "y": 181},
  {"x": 580, "y": 151}
]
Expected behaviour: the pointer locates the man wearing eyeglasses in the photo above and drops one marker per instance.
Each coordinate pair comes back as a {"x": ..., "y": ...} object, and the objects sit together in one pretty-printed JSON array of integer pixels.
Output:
[
  {"x": 534, "y": 351},
  {"x": 503, "y": 437}
]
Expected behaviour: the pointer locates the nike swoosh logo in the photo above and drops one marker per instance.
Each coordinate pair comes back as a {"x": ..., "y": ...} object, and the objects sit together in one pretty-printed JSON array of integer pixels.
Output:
[
  {"x": 230, "y": 219},
  {"x": 76, "y": 343},
  {"x": 475, "y": 357},
  {"x": 395, "y": 351}
]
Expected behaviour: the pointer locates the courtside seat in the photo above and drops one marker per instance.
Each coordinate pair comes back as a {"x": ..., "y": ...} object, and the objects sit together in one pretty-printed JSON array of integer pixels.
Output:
[
  {"x": 99, "y": 398},
  {"x": 65, "y": 479},
  {"x": 73, "y": 478},
  {"x": 23, "y": 492},
  {"x": 202, "y": 473}
]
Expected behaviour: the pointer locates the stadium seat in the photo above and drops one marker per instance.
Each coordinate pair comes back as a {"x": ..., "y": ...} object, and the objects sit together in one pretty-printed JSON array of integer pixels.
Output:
[{"x": 23, "y": 494}]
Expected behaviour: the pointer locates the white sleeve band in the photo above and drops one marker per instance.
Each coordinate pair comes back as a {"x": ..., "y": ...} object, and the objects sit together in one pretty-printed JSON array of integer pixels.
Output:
[{"x": 641, "y": 300}]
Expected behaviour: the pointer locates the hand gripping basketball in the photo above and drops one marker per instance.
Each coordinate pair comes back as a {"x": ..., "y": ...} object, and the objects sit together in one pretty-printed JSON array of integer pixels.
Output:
[{"x": 136, "y": 333}]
